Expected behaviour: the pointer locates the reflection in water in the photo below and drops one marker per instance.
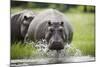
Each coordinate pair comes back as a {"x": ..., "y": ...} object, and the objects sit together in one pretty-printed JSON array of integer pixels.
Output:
[{"x": 28, "y": 62}]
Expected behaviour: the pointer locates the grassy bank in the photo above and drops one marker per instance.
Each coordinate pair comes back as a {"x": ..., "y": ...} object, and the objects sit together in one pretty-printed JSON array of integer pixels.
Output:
[{"x": 20, "y": 51}]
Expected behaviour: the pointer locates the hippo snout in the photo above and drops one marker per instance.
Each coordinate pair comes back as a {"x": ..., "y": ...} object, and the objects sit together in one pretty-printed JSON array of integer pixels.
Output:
[{"x": 56, "y": 45}]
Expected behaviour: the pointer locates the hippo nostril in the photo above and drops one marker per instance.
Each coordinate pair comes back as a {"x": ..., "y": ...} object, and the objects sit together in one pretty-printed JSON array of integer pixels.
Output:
[{"x": 56, "y": 45}]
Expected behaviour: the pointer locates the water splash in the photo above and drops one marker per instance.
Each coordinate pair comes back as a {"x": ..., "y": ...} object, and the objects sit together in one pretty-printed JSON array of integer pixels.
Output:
[
  {"x": 46, "y": 56},
  {"x": 72, "y": 51},
  {"x": 68, "y": 50}
]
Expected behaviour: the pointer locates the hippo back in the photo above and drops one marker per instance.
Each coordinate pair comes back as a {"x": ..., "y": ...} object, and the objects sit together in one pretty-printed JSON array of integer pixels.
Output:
[{"x": 16, "y": 22}]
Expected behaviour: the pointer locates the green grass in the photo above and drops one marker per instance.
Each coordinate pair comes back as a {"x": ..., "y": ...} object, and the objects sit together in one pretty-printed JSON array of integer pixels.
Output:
[
  {"x": 19, "y": 50},
  {"x": 84, "y": 36},
  {"x": 84, "y": 28}
]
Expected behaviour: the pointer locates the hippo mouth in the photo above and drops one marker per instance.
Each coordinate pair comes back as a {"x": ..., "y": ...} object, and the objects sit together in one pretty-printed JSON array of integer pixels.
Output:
[{"x": 56, "y": 46}]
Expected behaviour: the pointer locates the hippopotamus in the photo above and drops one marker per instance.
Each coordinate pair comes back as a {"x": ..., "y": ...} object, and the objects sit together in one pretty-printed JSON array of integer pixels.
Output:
[
  {"x": 19, "y": 24},
  {"x": 53, "y": 26}
]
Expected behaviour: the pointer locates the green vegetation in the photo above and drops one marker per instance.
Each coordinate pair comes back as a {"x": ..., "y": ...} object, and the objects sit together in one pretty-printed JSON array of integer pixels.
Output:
[
  {"x": 82, "y": 19},
  {"x": 84, "y": 32},
  {"x": 19, "y": 51}
]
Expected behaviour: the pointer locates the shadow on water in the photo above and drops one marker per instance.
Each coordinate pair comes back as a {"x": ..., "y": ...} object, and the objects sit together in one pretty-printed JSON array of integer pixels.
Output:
[{"x": 45, "y": 56}]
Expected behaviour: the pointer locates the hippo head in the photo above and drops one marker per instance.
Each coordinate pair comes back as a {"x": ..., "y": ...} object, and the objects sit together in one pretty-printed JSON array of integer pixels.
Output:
[
  {"x": 25, "y": 24},
  {"x": 55, "y": 35}
]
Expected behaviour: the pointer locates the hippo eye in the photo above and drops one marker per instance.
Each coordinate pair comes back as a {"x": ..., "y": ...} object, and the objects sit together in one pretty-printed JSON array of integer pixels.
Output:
[
  {"x": 51, "y": 29},
  {"x": 60, "y": 29}
]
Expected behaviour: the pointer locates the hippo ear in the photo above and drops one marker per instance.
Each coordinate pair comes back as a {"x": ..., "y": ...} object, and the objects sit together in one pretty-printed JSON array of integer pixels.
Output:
[
  {"x": 70, "y": 33},
  {"x": 62, "y": 23},
  {"x": 49, "y": 23},
  {"x": 70, "y": 37},
  {"x": 25, "y": 17}
]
